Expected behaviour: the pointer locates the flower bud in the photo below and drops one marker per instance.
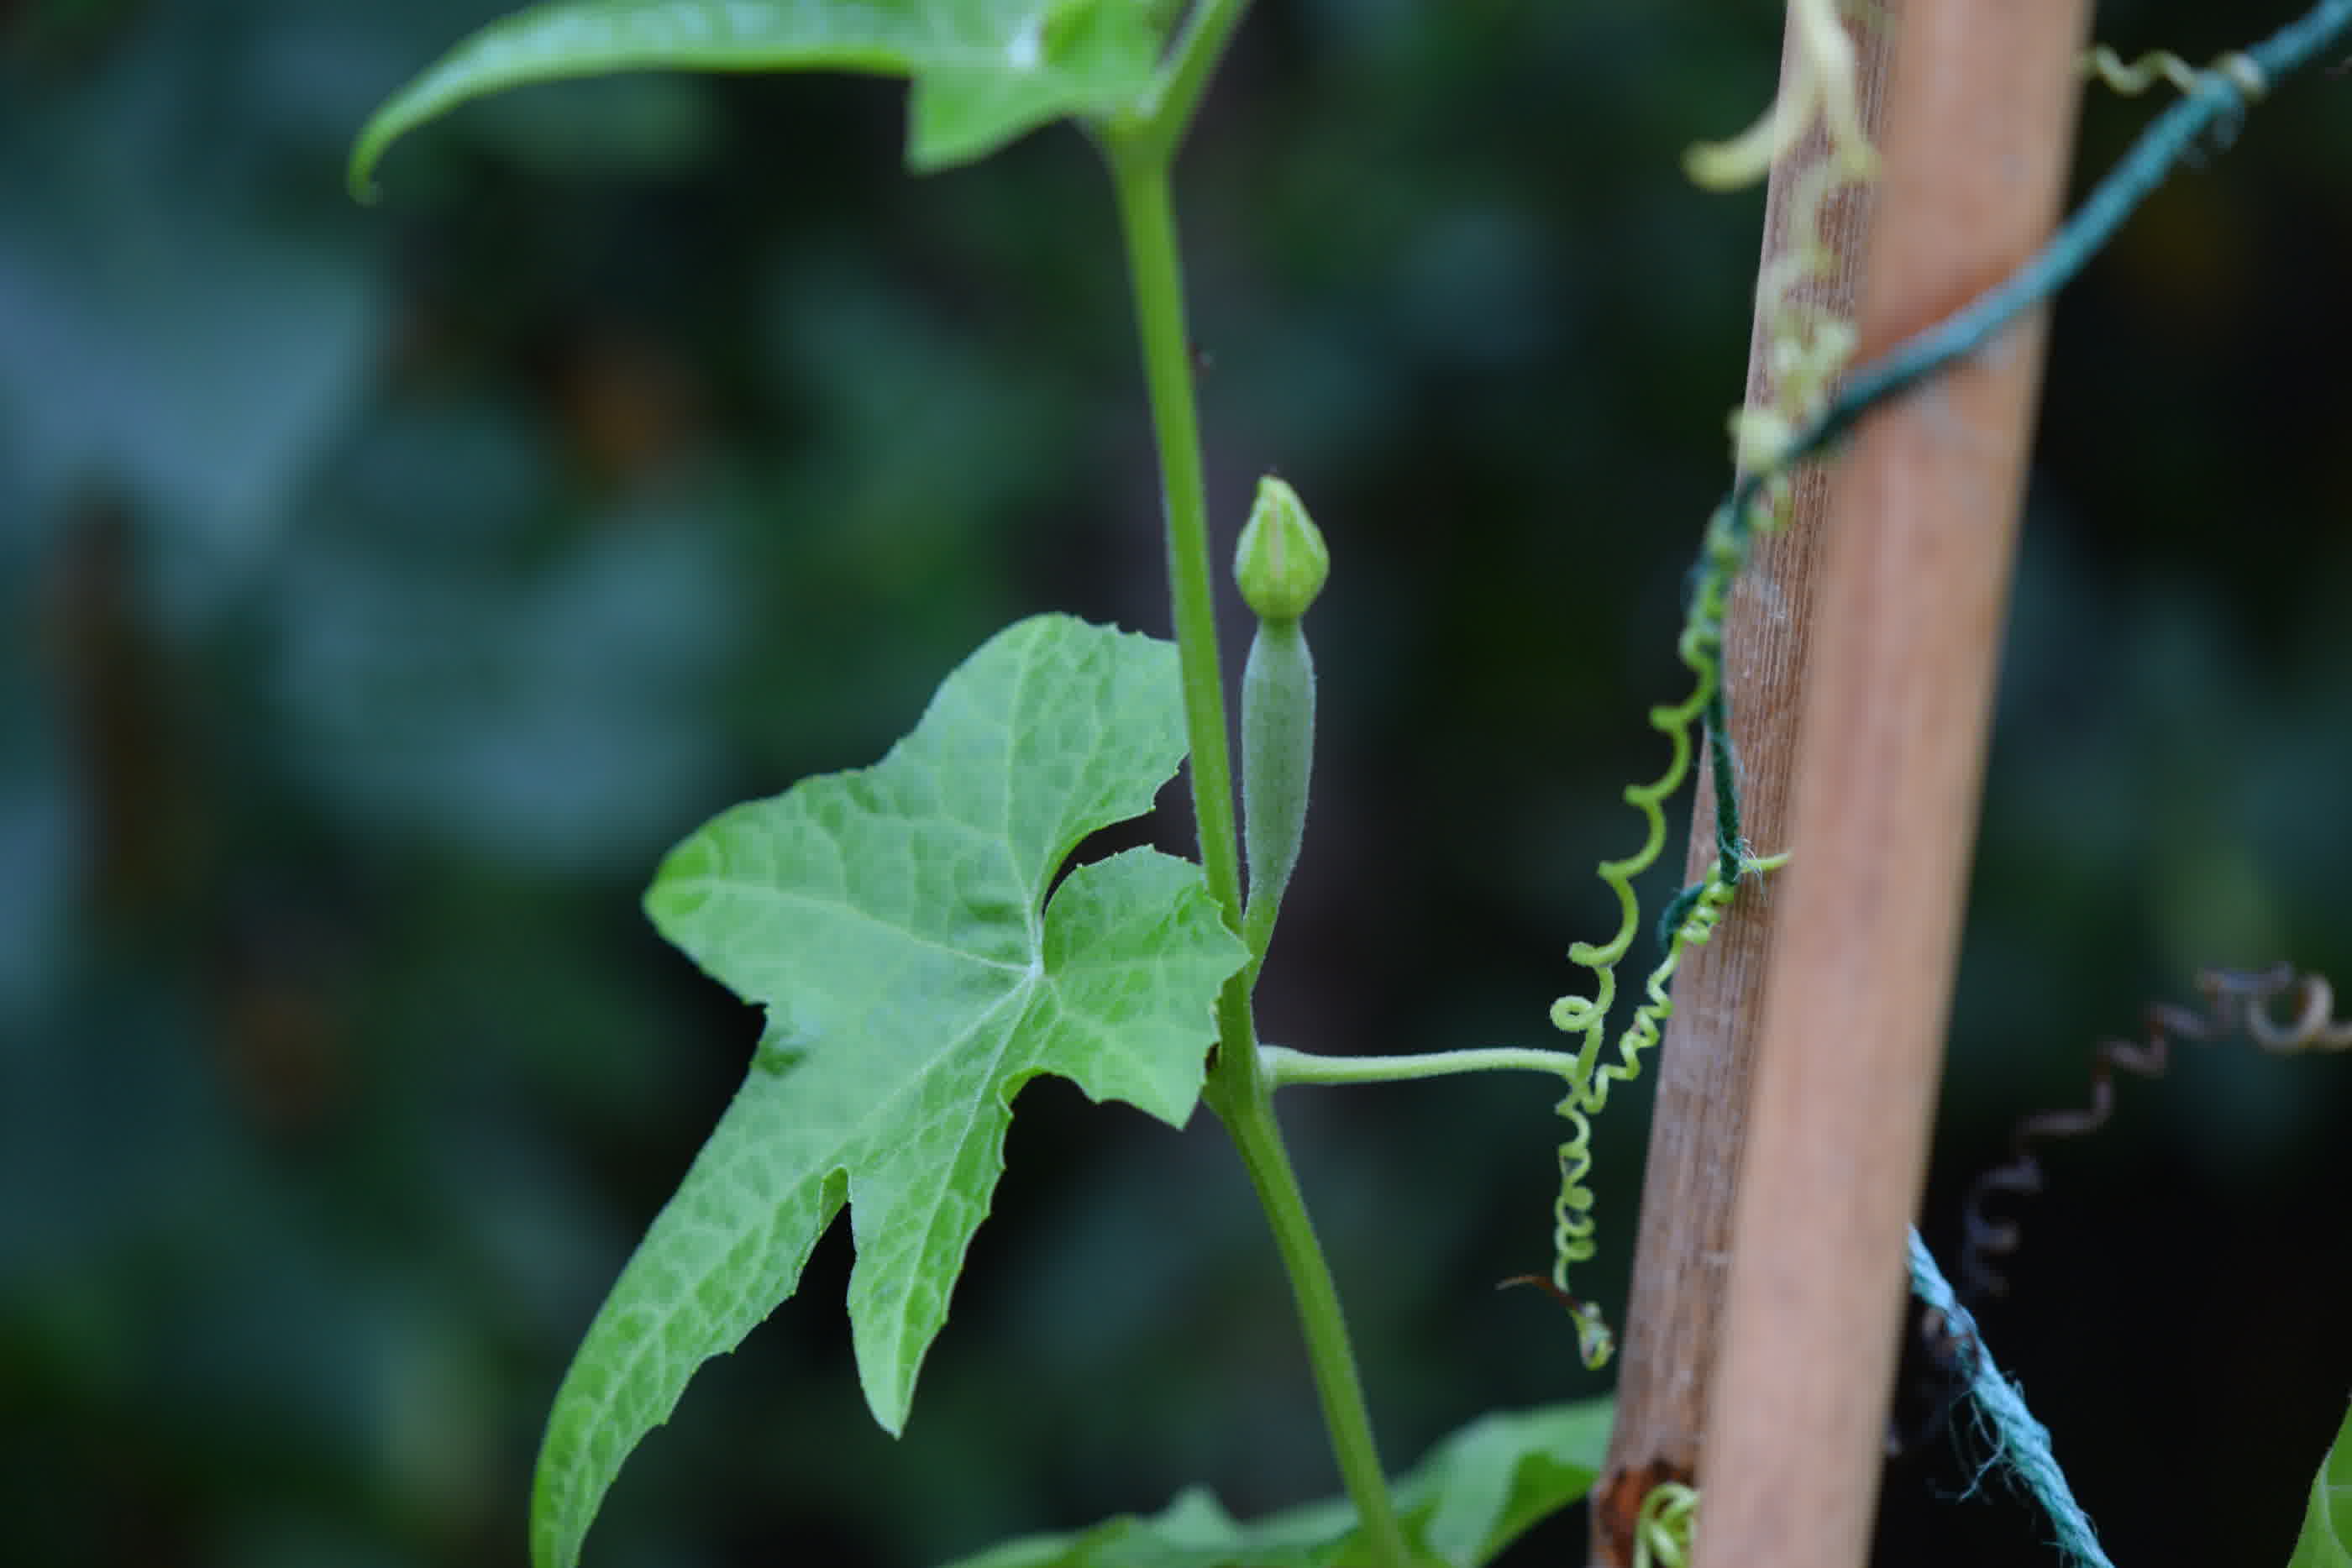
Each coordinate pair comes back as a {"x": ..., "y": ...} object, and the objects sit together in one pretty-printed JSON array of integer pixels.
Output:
[{"x": 1281, "y": 561}]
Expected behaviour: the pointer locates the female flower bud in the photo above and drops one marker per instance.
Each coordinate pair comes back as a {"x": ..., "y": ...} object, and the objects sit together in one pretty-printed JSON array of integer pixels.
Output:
[
  {"x": 1281, "y": 561},
  {"x": 1280, "y": 564}
]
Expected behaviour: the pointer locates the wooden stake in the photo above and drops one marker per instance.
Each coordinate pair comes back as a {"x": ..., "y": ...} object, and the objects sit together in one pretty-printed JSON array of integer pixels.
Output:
[
  {"x": 1704, "y": 1066},
  {"x": 1980, "y": 120}
]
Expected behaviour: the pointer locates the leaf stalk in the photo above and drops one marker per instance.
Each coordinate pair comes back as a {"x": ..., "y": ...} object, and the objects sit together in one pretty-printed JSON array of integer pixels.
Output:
[
  {"x": 1185, "y": 76},
  {"x": 1283, "y": 1066}
]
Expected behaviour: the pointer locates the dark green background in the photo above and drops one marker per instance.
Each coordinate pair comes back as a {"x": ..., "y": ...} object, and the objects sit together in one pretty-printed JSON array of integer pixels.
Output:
[{"x": 384, "y": 590}]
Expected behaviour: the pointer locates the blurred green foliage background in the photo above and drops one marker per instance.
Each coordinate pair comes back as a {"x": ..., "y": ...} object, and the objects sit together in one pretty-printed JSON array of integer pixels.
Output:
[{"x": 384, "y": 590}]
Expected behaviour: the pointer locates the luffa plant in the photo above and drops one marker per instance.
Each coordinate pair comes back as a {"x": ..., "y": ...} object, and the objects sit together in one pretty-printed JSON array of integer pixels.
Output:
[{"x": 915, "y": 932}]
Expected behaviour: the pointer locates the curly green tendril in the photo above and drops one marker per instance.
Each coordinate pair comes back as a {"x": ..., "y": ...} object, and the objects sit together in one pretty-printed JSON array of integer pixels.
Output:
[
  {"x": 2101, "y": 63},
  {"x": 1588, "y": 1096},
  {"x": 1665, "y": 1526},
  {"x": 1696, "y": 913}
]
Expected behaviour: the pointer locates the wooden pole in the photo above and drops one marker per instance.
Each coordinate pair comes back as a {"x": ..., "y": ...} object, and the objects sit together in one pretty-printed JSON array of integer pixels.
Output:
[
  {"x": 1979, "y": 121},
  {"x": 1706, "y": 1065}
]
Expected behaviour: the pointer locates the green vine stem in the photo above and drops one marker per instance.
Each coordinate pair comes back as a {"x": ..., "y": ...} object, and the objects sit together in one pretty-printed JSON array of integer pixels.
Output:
[
  {"x": 1258, "y": 1137},
  {"x": 1139, "y": 151},
  {"x": 1138, "y": 170}
]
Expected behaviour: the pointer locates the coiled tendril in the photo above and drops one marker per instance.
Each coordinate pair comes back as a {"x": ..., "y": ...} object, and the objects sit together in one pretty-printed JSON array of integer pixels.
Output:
[
  {"x": 1588, "y": 1093},
  {"x": 2101, "y": 63},
  {"x": 1665, "y": 1527},
  {"x": 1730, "y": 535}
]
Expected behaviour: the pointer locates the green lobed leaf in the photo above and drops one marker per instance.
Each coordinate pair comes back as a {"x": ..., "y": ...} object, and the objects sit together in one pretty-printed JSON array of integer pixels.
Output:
[
  {"x": 1100, "y": 60},
  {"x": 1470, "y": 1496},
  {"x": 985, "y": 71},
  {"x": 894, "y": 923},
  {"x": 2326, "y": 1538}
]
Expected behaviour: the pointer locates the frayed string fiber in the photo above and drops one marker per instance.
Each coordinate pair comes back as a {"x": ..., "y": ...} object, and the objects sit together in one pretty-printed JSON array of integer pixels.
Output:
[{"x": 2021, "y": 1443}]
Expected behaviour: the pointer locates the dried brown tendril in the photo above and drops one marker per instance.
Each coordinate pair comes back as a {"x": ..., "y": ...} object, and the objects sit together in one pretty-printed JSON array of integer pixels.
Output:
[{"x": 2237, "y": 1002}]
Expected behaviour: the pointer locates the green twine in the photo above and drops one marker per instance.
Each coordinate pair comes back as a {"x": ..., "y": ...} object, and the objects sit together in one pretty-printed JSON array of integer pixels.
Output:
[
  {"x": 2019, "y": 1440},
  {"x": 1732, "y": 855},
  {"x": 1730, "y": 845}
]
